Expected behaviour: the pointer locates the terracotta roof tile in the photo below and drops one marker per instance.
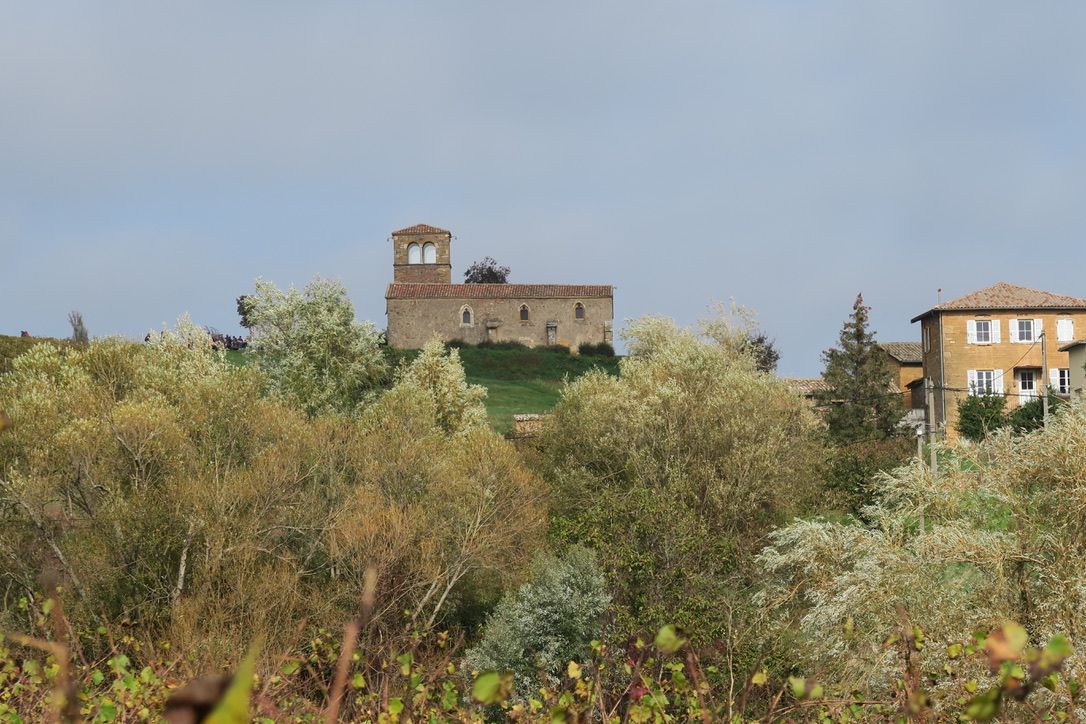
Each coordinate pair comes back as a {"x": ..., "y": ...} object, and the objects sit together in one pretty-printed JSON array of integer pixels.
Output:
[
  {"x": 904, "y": 352},
  {"x": 420, "y": 229},
  {"x": 409, "y": 290},
  {"x": 1008, "y": 296}
]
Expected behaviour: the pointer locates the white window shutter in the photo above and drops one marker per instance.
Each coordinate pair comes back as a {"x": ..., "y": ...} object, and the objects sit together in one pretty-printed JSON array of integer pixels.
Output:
[
  {"x": 971, "y": 331},
  {"x": 1065, "y": 330},
  {"x": 1013, "y": 330},
  {"x": 1054, "y": 378},
  {"x": 1038, "y": 328},
  {"x": 972, "y": 381},
  {"x": 997, "y": 382},
  {"x": 995, "y": 331}
]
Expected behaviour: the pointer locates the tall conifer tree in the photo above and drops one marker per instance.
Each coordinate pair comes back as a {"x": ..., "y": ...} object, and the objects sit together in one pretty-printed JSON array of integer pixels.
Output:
[{"x": 858, "y": 401}]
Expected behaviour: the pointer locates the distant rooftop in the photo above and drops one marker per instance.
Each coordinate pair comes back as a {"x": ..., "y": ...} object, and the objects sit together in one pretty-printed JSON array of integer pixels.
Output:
[
  {"x": 420, "y": 229},
  {"x": 1008, "y": 296},
  {"x": 904, "y": 352}
]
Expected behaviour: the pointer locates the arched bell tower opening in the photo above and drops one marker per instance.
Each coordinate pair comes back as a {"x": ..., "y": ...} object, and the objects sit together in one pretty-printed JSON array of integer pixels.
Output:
[{"x": 421, "y": 254}]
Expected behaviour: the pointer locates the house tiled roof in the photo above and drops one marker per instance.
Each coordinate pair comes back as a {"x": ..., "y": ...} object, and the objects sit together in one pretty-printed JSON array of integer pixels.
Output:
[
  {"x": 1008, "y": 296},
  {"x": 1071, "y": 345},
  {"x": 904, "y": 352},
  {"x": 808, "y": 386},
  {"x": 420, "y": 229},
  {"x": 409, "y": 290}
]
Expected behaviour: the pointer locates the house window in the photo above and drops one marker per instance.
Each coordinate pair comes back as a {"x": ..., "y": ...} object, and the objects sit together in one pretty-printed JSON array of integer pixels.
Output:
[
  {"x": 414, "y": 253},
  {"x": 524, "y": 312},
  {"x": 466, "y": 317},
  {"x": 1063, "y": 381},
  {"x": 927, "y": 338},
  {"x": 984, "y": 331},
  {"x": 578, "y": 311},
  {"x": 983, "y": 382},
  {"x": 1065, "y": 330},
  {"x": 1025, "y": 330},
  {"x": 429, "y": 254}
]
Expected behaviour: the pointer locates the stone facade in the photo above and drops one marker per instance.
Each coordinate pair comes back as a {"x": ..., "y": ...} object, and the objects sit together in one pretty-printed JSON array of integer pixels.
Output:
[
  {"x": 954, "y": 354},
  {"x": 421, "y": 302}
]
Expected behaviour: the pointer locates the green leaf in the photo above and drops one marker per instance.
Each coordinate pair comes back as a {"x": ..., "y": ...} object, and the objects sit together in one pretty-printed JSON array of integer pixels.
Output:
[
  {"x": 97, "y": 677},
  {"x": 107, "y": 711},
  {"x": 233, "y": 708},
  {"x": 289, "y": 668},
  {"x": 799, "y": 686},
  {"x": 760, "y": 678},
  {"x": 668, "y": 640},
  {"x": 490, "y": 688},
  {"x": 405, "y": 663},
  {"x": 395, "y": 705},
  {"x": 984, "y": 707},
  {"x": 558, "y": 715}
]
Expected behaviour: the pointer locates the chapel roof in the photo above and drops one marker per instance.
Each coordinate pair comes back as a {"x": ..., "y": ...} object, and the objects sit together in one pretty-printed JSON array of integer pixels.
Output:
[{"x": 416, "y": 290}]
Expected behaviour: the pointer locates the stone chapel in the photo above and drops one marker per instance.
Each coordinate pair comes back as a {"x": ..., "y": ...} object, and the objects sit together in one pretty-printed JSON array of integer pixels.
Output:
[{"x": 422, "y": 301}]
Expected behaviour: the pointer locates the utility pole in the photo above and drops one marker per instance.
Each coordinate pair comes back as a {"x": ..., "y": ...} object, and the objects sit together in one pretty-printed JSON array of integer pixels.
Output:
[
  {"x": 1044, "y": 377},
  {"x": 929, "y": 388}
]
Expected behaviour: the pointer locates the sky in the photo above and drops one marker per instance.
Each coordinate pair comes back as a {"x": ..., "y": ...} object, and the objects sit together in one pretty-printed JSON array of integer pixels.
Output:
[{"x": 155, "y": 158}]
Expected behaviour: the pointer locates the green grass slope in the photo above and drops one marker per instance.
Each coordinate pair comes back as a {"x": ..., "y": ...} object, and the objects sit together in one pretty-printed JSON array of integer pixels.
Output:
[{"x": 520, "y": 380}]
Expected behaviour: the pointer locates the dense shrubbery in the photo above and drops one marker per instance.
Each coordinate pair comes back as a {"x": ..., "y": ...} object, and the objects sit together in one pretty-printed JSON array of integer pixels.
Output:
[
  {"x": 190, "y": 508},
  {"x": 603, "y": 349},
  {"x": 173, "y": 496},
  {"x": 674, "y": 472}
]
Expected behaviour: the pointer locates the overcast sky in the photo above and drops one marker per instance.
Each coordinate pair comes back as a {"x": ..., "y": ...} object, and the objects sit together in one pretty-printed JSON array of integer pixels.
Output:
[{"x": 785, "y": 154}]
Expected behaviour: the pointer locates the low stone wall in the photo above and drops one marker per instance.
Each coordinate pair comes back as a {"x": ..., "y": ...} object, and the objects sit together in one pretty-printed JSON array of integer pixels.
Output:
[{"x": 528, "y": 425}]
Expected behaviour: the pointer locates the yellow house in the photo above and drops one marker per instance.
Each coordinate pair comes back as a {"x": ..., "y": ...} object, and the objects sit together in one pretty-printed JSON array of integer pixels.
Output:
[{"x": 1004, "y": 339}]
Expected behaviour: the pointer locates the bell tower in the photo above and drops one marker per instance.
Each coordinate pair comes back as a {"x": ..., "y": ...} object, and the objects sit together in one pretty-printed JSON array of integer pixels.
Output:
[{"x": 421, "y": 254}]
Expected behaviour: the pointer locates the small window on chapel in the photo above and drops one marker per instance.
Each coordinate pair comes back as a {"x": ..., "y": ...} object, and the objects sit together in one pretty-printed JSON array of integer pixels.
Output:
[
  {"x": 465, "y": 316},
  {"x": 414, "y": 254},
  {"x": 578, "y": 311},
  {"x": 429, "y": 253},
  {"x": 524, "y": 312}
]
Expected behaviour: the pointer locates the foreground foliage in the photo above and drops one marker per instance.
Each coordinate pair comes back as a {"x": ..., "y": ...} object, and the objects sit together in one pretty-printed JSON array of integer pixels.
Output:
[
  {"x": 176, "y": 500},
  {"x": 996, "y": 535}
]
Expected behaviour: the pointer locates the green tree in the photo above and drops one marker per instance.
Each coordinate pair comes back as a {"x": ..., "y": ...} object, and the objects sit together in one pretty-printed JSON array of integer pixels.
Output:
[
  {"x": 487, "y": 271},
  {"x": 1031, "y": 416},
  {"x": 311, "y": 348},
  {"x": 244, "y": 311},
  {"x": 858, "y": 399},
  {"x": 979, "y": 415},
  {"x": 674, "y": 471}
]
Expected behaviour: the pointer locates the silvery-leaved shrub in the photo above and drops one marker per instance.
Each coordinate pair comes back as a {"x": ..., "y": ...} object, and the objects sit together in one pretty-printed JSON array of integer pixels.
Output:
[
  {"x": 313, "y": 351},
  {"x": 549, "y": 621}
]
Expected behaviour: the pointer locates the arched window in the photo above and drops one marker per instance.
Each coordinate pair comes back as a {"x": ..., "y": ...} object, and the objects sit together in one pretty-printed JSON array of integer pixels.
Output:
[
  {"x": 466, "y": 318},
  {"x": 578, "y": 310},
  {"x": 414, "y": 253},
  {"x": 524, "y": 312},
  {"x": 429, "y": 253}
]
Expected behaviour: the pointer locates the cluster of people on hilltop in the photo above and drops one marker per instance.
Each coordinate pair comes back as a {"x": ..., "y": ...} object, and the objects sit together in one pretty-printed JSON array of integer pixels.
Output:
[
  {"x": 219, "y": 341},
  {"x": 227, "y": 341},
  {"x": 24, "y": 333}
]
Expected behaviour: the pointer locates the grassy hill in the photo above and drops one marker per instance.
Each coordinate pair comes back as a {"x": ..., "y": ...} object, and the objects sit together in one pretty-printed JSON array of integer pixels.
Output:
[{"x": 517, "y": 379}]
